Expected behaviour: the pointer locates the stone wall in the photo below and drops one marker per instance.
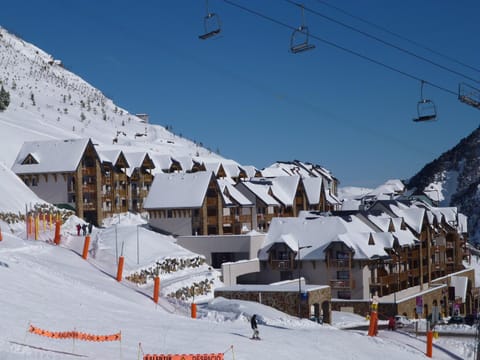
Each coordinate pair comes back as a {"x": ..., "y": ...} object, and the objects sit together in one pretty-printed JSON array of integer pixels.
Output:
[{"x": 286, "y": 301}]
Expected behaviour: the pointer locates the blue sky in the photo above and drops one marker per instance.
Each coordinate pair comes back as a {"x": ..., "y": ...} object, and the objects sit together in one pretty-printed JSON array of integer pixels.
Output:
[{"x": 245, "y": 95}]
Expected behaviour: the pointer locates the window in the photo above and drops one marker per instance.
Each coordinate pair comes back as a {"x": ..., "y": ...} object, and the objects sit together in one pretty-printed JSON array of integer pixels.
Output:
[
  {"x": 169, "y": 214},
  {"x": 343, "y": 275},
  {"x": 344, "y": 295}
]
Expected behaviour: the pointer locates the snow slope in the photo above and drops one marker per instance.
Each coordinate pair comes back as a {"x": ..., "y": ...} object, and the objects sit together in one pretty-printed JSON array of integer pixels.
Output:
[{"x": 53, "y": 288}]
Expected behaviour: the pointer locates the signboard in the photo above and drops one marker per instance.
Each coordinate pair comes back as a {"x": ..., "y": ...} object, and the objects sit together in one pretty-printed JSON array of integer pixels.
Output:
[{"x": 419, "y": 305}]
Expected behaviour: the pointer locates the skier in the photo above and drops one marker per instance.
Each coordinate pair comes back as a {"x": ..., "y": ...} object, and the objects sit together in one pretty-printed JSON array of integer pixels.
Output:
[
  {"x": 78, "y": 229},
  {"x": 253, "y": 323},
  {"x": 90, "y": 226},
  {"x": 84, "y": 228}
]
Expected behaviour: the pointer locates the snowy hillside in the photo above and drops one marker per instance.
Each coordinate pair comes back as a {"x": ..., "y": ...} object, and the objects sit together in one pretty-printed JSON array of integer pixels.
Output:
[
  {"x": 18, "y": 195},
  {"x": 50, "y": 102},
  {"x": 453, "y": 179},
  {"x": 52, "y": 288}
]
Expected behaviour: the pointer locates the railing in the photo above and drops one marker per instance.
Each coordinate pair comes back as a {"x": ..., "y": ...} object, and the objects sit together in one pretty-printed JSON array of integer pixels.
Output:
[
  {"x": 89, "y": 171},
  {"x": 343, "y": 263},
  {"x": 342, "y": 284},
  {"x": 281, "y": 264},
  {"x": 235, "y": 219}
]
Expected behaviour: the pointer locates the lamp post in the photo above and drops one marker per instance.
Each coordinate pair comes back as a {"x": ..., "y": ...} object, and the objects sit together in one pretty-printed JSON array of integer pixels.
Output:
[
  {"x": 398, "y": 278},
  {"x": 300, "y": 280},
  {"x": 138, "y": 246}
]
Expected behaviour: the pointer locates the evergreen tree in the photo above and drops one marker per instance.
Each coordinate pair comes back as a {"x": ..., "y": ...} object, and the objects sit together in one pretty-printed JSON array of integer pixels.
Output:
[{"x": 4, "y": 98}]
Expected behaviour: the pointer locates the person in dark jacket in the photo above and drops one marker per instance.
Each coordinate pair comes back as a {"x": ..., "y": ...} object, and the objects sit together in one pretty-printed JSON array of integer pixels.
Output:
[
  {"x": 90, "y": 226},
  {"x": 391, "y": 323},
  {"x": 84, "y": 229},
  {"x": 253, "y": 323}
]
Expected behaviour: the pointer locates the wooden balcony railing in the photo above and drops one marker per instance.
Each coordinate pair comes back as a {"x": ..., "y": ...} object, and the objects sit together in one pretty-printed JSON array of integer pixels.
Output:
[
  {"x": 343, "y": 263},
  {"x": 342, "y": 284},
  {"x": 281, "y": 264}
]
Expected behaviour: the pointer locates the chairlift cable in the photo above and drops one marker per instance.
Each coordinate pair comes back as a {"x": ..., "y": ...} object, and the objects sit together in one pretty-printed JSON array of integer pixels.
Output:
[
  {"x": 377, "y": 62},
  {"x": 408, "y": 52},
  {"x": 399, "y": 36}
]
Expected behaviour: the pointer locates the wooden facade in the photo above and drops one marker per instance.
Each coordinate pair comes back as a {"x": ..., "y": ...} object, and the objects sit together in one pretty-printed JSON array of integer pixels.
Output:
[{"x": 140, "y": 182}]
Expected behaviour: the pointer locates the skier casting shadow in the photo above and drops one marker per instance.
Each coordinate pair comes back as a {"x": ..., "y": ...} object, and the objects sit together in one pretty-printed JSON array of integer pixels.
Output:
[{"x": 253, "y": 323}]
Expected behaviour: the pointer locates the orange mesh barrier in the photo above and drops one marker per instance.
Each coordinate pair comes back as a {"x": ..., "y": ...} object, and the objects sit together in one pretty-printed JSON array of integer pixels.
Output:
[
  {"x": 218, "y": 356},
  {"x": 74, "y": 335}
]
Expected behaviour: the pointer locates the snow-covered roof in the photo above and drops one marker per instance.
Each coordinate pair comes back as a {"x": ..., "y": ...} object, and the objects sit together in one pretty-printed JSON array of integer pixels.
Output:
[
  {"x": 260, "y": 188},
  {"x": 231, "y": 195},
  {"x": 178, "y": 190},
  {"x": 135, "y": 159},
  {"x": 313, "y": 188},
  {"x": 110, "y": 156},
  {"x": 412, "y": 216},
  {"x": 52, "y": 156},
  {"x": 316, "y": 232},
  {"x": 383, "y": 222},
  {"x": 161, "y": 161},
  {"x": 332, "y": 199},
  {"x": 185, "y": 162},
  {"x": 387, "y": 190},
  {"x": 284, "y": 188},
  {"x": 250, "y": 170}
]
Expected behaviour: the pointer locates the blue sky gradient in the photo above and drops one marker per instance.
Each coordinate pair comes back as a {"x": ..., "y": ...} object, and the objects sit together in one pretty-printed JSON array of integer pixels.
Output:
[{"x": 245, "y": 95}]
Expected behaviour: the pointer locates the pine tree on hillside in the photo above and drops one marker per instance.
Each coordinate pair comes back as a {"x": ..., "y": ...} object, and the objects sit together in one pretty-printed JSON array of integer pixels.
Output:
[{"x": 4, "y": 98}]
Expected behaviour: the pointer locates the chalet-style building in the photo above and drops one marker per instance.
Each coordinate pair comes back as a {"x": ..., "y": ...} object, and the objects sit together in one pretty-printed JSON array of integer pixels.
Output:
[
  {"x": 307, "y": 170},
  {"x": 114, "y": 182},
  {"x": 66, "y": 173},
  {"x": 95, "y": 182},
  {"x": 387, "y": 248},
  {"x": 286, "y": 196},
  {"x": 197, "y": 204}
]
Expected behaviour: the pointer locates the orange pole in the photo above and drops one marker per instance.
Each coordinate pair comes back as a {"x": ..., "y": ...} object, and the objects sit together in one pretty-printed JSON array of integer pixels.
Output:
[
  {"x": 372, "y": 329},
  {"x": 120, "y": 268},
  {"x": 56, "y": 240},
  {"x": 156, "y": 289},
  {"x": 194, "y": 311},
  {"x": 37, "y": 226},
  {"x": 429, "y": 343},
  {"x": 86, "y": 245},
  {"x": 1, "y": 237}
]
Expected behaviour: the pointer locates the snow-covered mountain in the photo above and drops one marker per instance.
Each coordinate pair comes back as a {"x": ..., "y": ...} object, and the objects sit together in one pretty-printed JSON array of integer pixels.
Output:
[
  {"x": 454, "y": 178},
  {"x": 49, "y": 102}
]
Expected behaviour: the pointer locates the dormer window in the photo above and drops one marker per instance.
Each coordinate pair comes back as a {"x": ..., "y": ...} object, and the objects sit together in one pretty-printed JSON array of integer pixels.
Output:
[{"x": 29, "y": 160}]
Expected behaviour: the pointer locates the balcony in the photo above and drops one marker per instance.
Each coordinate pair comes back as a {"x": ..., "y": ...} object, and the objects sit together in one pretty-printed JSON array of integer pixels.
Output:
[
  {"x": 339, "y": 263},
  {"x": 236, "y": 219},
  {"x": 342, "y": 284},
  {"x": 89, "y": 171},
  {"x": 281, "y": 264}
]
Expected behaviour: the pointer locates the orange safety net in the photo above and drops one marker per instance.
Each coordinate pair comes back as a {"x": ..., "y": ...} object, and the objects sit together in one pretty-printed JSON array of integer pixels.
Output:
[
  {"x": 74, "y": 335},
  {"x": 218, "y": 356}
]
